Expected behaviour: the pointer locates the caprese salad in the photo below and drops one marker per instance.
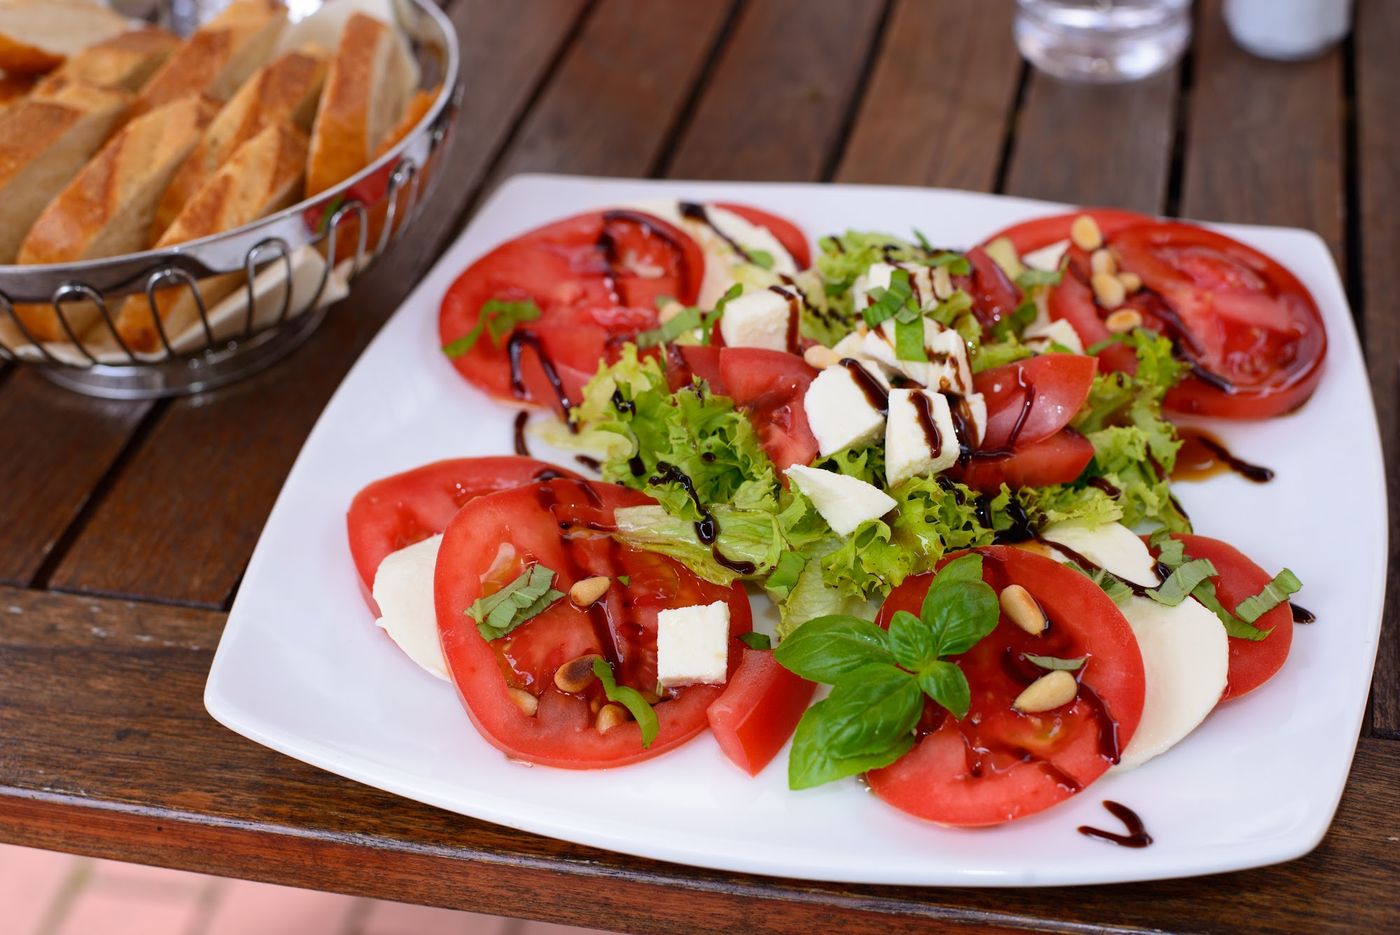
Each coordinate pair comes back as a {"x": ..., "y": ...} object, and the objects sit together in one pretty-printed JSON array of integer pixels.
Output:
[{"x": 949, "y": 470}]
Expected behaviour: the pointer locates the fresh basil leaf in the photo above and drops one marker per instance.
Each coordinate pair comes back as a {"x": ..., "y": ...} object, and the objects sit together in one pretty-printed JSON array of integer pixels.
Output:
[
  {"x": 1112, "y": 585},
  {"x": 498, "y": 318},
  {"x": 1170, "y": 552},
  {"x": 911, "y": 641},
  {"x": 625, "y": 580},
  {"x": 961, "y": 614},
  {"x": 909, "y": 338},
  {"x": 826, "y": 648},
  {"x": 519, "y": 601},
  {"x": 688, "y": 319},
  {"x": 1234, "y": 626},
  {"x": 754, "y": 640},
  {"x": 963, "y": 568},
  {"x": 813, "y": 760},
  {"x": 1030, "y": 277},
  {"x": 1054, "y": 663},
  {"x": 1182, "y": 581},
  {"x": 957, "y": 263},
  {"x": 629, "y": 698},
  {"x": 760, "y": 258},
  {"x": 946, "y": 684},
  {"x": 887, "y": 302},
  {"x": 922, "y": 241},
  {"x": 878, "y": 703},
  {"x": 1278, "y": 590}
]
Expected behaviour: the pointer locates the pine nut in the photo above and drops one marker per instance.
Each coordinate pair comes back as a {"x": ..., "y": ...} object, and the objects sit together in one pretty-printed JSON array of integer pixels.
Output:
[
  {"x": 942, "y": 283},
  {"x": 1123, "y": 320},
  {"x": 1132, "y": 282},
  {"x": 819, "y": 357},
  {"x": 610, "y": 716},
  {"x": 585, "y": 593},
  {"x": 1085, "y": 233},
  {"x": 1108, "y": 290},
  {"x": 1046, "y": 693},
  {"x": 526, "y": 702},
  {"x": 1018, "y": 604},
  {"x": 576, "y": 675},
  {"x": 1101, "y": 261}
]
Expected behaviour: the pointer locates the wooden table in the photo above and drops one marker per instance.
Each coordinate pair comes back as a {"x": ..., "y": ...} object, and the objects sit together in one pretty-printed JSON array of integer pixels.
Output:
[{"x": 125, "y": 527}]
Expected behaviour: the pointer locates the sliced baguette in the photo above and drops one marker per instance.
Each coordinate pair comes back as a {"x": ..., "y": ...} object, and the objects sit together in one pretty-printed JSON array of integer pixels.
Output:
[
  {"x": 220, "y": 56},
  {"x": 107, "y": 208},
  {"x": 14, "y": 88},
  {"x": 367, "y": 88},
  {"x": 43, "y": 144},
  {"x": 37, "y": 35},
  {"x": 264, "y": 175},
  {"x": 286, "y": 91},
  {"x": 124, "y": 61}
]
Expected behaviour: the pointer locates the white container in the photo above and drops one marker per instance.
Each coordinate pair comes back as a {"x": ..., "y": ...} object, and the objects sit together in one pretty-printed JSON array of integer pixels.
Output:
[{"x": 1288, "y": 29}]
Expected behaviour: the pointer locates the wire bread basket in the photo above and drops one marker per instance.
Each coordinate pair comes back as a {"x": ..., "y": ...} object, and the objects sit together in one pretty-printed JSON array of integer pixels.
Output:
[{"x": 288, "y": 266}]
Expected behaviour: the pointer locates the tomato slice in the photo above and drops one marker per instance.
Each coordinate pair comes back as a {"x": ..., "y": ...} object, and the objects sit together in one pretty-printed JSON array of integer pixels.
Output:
[
  {"x": 563, "y": 525},
  {"x": 770, "y": 387},
  {"x": 1032, "y": 399},
  {"x": 1252, "y": 662},
  {"x": 1038, "y": 233},
  {"x": 994, "y": 296},
  {"x": 1058, "y": 459},
  {"x": 395, "y": 512},
  {"x": 687, "y": 361},
  {"x": 1250, "y": 330},
  {"x": 595, "y": 278},
  {"x": 758, "y": 711},
  {"x": 996, "y": 765},
  {"x": 788, "y": 233}
]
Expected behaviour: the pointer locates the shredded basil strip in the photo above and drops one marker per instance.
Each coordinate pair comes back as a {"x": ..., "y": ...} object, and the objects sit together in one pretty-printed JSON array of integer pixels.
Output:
[
  {"x": 754, "y": 640},
  {"x": 498, "y": 318},
  {"x": 629, "y": 698},
  {"x": 1170, "y": 552},
  {"x": 1053, "y": 662},
  {"x": 909, "y": 338},
  {"x": 887, "y": 302},
  {"x": 687, "y": 319},
  {"x": 1284, "y": 584},
  {"x": 760, "y": 258},
  {"x": 524, "y": 598},
  {"x": 1182, "y": 581},
  {"x": 1030, "y": 277},
  {"x": 1234, "y": 626}
]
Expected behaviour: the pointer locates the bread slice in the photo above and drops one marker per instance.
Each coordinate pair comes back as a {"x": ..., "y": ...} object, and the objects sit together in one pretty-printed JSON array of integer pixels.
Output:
[
  {"x": 367, "y": 89},
  {"x": 43, "y": 144},
  {"x": 262, "y": 176},
  {"x": 285, "y": 91},
  {"x": 37, "y": 35},
  {"x": 124, "y": 61},
  {"x": 14, "y": 88},
  {"x": 220, "y": 56}
]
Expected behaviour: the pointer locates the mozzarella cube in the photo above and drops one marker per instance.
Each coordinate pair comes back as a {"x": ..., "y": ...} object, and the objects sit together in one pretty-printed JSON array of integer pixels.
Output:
[
  {"x": 1040, "y": 335},
  {"x": 975, "y": 412},
  {"x": 403, "y": 589},
  {"x": 1111, "y": 546},
  {"x": 760, "y": 319},
  {"x": 1047, "y": 258},
  {"x": 912, "y": 447},
  {"x": 692, "y": 645},
  {"x": 843, "y": 501},
  {"x": 922, "y": 283},
  {"x": 946, "y": 369},
  {"x": 839, "y": 410}
]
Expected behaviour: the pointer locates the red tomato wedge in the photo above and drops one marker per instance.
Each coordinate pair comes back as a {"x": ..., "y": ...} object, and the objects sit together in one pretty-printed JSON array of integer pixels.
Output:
[
  {"x": 996, "y": 764},
  {"x": 595, "y": 278},
  {"x": 994, "y": 296},
  {"x": 758, "y": 711},
  {"x": 1038, "y": 233},
  {"x": 787, "y": 233},
  {"x": 1030, "y": 400},
  {"x": 395, "y": 512},
  {"x": 770, "y": 386},
  {"x": 1252, "y": 662},
  {"x": 687, "y": 361},
  {"x": 562, "y": 525},
  {"x": 1058, "y": 459}
]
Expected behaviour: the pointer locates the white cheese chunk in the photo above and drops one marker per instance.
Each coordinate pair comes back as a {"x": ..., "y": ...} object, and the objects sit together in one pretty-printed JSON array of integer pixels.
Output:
[
  {"x": 1040, "y": 335},
  {"x": 909, "y": 449},
  {"x": 924, "y": 283},
  {"x": 843, "y": 501},
  {"x": 1111, "y": 546},
  {"x": 692, "y": 645},
  {"x": 839, "y": 412},
  {"x": 975, "y": 411},
  {"x": 403, "y": 589},
  {"x": 1185, "y": 652},
  {"x": 1047, "y": 258},
  {"x": 759, "y": 319},
  {"x": 946, "y": 369}
]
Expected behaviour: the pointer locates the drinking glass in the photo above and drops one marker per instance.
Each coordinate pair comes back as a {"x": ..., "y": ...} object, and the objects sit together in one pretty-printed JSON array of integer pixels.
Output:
[{"x": 1102, "y": 41}]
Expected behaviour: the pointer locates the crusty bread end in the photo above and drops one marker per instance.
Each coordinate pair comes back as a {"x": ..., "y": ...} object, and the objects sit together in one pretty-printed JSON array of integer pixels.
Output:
[{"x": 220, "y": 56}]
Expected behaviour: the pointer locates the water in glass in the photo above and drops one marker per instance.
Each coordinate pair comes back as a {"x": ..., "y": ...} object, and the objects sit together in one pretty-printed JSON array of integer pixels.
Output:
[{"x": 1102, "y": 40}]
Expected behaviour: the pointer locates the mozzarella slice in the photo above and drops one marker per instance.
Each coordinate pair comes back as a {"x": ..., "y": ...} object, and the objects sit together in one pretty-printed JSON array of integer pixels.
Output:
[
  {"x": 1047, "y": 258},
  {"x": 843, "y": 501},
  {"x": 760, "y": 319},
  {"x": 722, "y": 263},
  {"x": 840, "y": 411},
  {"x": 403, "y": 589},
  {"x": 920, "y": 437},
  {"x": 1185, "y": 652},
  {"x": 1040, "y": 335}
]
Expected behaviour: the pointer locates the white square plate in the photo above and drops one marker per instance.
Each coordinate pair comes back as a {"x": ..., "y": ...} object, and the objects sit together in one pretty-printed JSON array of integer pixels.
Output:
[{"x": 302, "y": 669}]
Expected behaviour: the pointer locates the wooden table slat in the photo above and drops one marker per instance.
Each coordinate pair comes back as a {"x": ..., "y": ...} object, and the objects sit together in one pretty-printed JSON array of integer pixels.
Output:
[{"x": 104, "y": 698}]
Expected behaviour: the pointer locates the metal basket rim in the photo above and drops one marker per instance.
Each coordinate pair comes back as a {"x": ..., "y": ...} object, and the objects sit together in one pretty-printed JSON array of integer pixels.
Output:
[{"x": 451, "y": 76}]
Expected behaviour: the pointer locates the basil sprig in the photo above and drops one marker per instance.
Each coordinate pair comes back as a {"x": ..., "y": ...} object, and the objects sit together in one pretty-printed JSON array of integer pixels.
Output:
[
  {"x": 498, "y": 318},
  {"x": 1239, "y": 623},
  {"x": 524, "y": 598},
  {"x": 880, "y": 678},
  {"x": 686, "y": 321},
  {"x": 629, "y": 698}
]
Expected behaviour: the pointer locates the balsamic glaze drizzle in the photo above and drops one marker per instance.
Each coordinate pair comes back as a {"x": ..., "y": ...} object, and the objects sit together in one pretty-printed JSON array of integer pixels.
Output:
[
  {"x": 521, "y": 448},
  {"x": 1302, "y": 614},
  {"x": 697, "y": 212},
  {"x": 1221, "y": 456},
  {"x": 593, "y": 464},
  {"x": 514, "y": 349},
  {"x": 1137, "y": 835},
  {"x": 874, "y": 393},
  {"x": 706, "y": 527},
  {"x": 794, "y": 319}
]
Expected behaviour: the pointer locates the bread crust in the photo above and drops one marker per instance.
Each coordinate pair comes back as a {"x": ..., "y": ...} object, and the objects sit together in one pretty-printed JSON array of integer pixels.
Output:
[
  {"x": 220, "y": 56},
  {"x": 125, "y": 61}
]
